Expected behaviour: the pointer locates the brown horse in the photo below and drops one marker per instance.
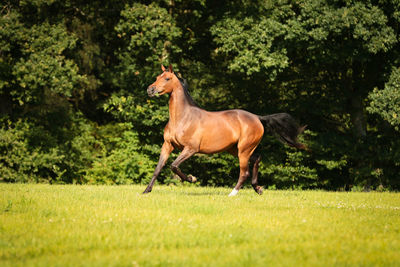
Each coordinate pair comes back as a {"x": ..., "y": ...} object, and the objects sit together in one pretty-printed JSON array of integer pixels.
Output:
[{"x": 194, "y": 130}]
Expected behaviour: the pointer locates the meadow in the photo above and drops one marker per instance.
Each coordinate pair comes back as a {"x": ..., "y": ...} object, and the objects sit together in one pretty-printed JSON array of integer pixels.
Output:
[{"x": 72, "y": 225}]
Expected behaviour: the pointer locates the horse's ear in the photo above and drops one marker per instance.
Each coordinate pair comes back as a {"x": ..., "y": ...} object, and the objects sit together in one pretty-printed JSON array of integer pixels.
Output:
[
  {"x": 170, "y": 68},
  {"x": 162, "y": 67}
]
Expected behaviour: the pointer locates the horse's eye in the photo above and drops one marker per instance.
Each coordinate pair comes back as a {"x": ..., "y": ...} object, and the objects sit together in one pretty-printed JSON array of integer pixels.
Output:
[{"x": 167, "y": 79}]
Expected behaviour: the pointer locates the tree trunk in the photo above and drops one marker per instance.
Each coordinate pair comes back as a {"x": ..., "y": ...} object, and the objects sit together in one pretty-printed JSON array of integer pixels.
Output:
[{"x": 358, "y": 117}]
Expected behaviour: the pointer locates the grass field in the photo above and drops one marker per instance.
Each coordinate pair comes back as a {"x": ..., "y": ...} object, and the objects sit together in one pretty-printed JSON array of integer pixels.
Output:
[{"x": 44, "y": 225}]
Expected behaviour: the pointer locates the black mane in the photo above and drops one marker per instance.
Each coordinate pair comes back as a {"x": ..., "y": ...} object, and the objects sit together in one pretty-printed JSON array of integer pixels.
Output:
[{"x": 185, "y": 86}]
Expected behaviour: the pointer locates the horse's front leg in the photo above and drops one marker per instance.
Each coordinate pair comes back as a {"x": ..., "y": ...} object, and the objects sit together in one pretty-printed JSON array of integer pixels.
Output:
[
  {"x": 166, "y": 150},
  {"x": 186, "y": 153}
]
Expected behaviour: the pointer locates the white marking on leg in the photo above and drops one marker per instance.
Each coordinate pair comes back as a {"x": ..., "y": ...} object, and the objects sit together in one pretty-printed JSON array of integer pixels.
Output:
[{"x": 234, "y": 192}]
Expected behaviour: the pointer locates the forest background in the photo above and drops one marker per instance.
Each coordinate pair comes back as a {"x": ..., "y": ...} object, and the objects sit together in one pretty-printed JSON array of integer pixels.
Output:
[{"x": 73, "y": 79}]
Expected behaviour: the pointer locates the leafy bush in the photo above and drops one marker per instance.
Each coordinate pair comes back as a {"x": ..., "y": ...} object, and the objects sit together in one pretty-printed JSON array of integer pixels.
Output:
[
  {"x": 125, "y": 162},
  {"x": 20, "y": 162},
  {"x": 386, "y": 102}
]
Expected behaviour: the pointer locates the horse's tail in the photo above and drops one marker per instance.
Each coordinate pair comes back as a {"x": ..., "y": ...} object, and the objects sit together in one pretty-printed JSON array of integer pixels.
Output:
[{"x": 284, "y": 127}]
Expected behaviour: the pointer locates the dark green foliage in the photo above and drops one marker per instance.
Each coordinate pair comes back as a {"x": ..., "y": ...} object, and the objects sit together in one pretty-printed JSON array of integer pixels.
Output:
[
  {"x": 73, "y": 79},
  {"x": 386, "y": 102},
  {"x": 125, "y": 160},
  {"x": 30, "y": 151}
]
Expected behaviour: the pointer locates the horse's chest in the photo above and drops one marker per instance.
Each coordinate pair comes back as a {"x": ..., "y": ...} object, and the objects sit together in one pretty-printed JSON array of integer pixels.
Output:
[
  {"x": 181, "y": 137},
  {"x": 178, "y": 140}
]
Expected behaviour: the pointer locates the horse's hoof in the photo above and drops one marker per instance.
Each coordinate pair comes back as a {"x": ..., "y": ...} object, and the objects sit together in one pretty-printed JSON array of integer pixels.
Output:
[
  {"x": 259, "y": 190},
  {"x": 233, "y": 193},
  {"x": 146, "y": 191},
  {"x": 192, "y": 178}
]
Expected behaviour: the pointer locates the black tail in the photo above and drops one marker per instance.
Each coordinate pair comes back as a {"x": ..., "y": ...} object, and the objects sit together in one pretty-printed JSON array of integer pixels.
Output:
[{"x": 284, "y": 127}]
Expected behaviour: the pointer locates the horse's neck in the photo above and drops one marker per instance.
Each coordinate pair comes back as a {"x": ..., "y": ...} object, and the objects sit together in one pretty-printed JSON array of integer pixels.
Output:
[{"x": 179, "y": 104}]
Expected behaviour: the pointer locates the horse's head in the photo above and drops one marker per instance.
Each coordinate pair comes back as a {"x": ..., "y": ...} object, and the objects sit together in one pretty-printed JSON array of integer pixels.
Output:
[{"x": 164, "y": 84}]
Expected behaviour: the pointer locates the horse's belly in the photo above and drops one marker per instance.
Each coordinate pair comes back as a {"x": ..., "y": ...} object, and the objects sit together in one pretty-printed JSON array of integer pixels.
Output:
[{"x": 217, "y": 140}]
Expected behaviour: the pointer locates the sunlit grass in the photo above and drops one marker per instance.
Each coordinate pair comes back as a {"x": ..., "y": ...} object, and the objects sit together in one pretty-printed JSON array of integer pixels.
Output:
[{"x": 71, "y": 225}]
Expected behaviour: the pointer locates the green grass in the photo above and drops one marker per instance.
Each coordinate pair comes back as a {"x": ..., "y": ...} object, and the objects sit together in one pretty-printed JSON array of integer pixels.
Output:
[{"x": 44, "y": 225}]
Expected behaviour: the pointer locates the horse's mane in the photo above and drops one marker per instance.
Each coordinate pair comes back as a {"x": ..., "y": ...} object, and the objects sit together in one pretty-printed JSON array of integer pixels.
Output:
[{"x": 185, "y": 86}]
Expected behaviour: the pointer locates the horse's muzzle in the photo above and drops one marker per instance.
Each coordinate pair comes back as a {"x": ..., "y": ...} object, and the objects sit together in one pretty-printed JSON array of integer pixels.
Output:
[{"x": 151, "y": 91}]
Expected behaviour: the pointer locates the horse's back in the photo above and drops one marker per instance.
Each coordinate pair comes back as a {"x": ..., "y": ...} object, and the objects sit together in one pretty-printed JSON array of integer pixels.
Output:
[
  {"x": 222, "y": 130},
  {"x": 248, "y": 122}
]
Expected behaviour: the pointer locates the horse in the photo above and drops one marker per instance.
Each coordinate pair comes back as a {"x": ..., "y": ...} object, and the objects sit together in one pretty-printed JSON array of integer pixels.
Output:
[{"x": 192, "y": 130}]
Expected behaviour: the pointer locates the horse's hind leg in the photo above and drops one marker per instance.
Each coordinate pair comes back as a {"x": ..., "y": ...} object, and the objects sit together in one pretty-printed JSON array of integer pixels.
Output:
[
  {"x": 186, "y": 153},
  {"x": 244, "y": 172},
  {"x": 254, "y": 181}
]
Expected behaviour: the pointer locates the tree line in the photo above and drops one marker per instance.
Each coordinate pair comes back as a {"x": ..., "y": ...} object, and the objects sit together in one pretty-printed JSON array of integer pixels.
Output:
[{"x": 74, "y": 73}]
